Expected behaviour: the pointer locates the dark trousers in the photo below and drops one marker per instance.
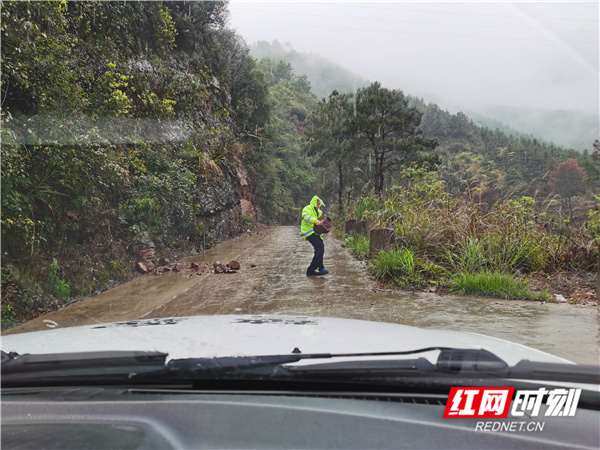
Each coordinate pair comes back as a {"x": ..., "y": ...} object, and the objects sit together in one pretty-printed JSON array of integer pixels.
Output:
[{"x": 319, "y": 246}]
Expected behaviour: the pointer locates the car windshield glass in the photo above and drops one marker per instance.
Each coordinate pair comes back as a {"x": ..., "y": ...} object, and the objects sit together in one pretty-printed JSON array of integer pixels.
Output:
[{"x": 232, "y": 179}]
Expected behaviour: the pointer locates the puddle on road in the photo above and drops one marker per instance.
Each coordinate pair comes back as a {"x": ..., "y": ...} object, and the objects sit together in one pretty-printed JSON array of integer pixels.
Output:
[{"x": 569, "y": 331}]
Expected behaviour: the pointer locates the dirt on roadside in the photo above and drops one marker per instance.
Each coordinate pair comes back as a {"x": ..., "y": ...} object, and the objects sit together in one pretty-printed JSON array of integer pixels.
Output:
[{"x": 576, "y": 287}]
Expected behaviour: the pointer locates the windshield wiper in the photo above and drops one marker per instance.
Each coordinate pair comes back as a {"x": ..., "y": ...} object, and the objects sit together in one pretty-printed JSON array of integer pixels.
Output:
[
  {"x": 138, "y": 367},
  {"x": 450, "y": 360},
  {"x": 56, "y": 368},
  {"x": 144, "y": 367}
]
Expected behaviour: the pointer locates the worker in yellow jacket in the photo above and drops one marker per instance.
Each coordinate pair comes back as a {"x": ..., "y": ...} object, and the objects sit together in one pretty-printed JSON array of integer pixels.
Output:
[{"x": 310, "y": 217}]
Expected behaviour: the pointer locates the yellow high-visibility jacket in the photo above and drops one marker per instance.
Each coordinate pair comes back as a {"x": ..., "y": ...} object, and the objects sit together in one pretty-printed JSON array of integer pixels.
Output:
[{"x": 310, "y": 215}]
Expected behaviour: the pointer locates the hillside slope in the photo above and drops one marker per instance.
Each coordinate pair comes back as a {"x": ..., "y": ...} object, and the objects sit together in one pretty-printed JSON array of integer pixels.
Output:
[{"x": 123, "y": 132}]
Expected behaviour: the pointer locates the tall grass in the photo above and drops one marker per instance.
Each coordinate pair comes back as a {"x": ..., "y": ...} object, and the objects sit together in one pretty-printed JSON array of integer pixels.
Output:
[
  {"x": 494, "y": 284},
  {"x": 469, "y": 256},
  {"x": 399, "y": 266},
  {"x": 358, "y": 245},
  {"x": 507, "y": 254},
  {"x": 516, "y": 253},
  {"x": 443, "y": 237}
]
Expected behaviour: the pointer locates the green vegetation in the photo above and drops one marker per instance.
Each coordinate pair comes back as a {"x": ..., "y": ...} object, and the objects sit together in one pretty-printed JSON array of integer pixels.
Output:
[
  {"x": 399, "y": 266},
  {"x": 134, "y": 124},
  {"x": 494, "y": 284},
  {"x": 8, "y": 314},
  {"x": 457, "y": 245},
  {"x": 329, "y": 135},
  {"x": 60, "y": 288},
  {"x": 593, "y": 228},
  {"x": 358, "y": 245},
  {"x": 496, "y": 165},
  {"x": 324, "y": 75},
  {"x": 123, "y": 123},
  {"x": 280, "y": 169}
]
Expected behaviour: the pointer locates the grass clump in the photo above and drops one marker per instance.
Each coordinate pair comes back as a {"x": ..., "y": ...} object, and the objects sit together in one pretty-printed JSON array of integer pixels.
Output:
[
  {"x": 358, "y": 245},
  {"x": 399, "y": 266},
  {"x": 494, "y": 284}
]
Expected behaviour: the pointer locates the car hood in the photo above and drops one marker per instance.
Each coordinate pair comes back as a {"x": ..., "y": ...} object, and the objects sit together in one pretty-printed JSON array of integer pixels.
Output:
[{"x": 250, "y": 335}]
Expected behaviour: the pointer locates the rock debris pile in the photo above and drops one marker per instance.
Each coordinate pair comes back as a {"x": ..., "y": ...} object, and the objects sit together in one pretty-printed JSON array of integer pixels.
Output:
[
  {"x": 194, "y": 268},
  {"x": 231, "y": 267}
]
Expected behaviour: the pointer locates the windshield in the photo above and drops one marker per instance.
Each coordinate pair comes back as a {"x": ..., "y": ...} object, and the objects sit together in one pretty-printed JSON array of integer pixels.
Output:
[
  {"x": 277, "y": 164},
  {"x": 237, "y": 224}
]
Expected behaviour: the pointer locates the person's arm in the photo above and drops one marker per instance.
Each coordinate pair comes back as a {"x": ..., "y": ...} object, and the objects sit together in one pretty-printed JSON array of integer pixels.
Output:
[
  {"x": 319, "y": 215},
  {"x": 309, "y": 217}
]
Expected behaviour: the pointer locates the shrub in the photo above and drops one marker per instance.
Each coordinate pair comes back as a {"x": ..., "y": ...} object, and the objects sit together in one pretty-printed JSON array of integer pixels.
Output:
[
  {"x": 9, "y": 315},
  {"x": 58, "y": 287},
  {"x": 366, "y": 208}
]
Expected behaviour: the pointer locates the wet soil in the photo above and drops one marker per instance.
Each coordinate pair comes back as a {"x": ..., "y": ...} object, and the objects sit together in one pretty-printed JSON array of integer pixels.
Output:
[
  {"x": 272, "y": 280},
  {"x": 575, "y": 286}
]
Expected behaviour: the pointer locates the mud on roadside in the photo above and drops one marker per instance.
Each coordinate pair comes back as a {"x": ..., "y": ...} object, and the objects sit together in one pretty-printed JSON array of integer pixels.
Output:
[{"x": 577, "y": 287}]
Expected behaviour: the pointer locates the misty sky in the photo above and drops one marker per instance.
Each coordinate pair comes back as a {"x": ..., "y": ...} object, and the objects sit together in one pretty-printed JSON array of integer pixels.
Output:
[{"x": 460, "y": 55}]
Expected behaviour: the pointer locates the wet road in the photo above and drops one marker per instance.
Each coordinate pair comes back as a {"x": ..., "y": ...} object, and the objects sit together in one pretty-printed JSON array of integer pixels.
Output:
[{"x": 272, "y": 280}]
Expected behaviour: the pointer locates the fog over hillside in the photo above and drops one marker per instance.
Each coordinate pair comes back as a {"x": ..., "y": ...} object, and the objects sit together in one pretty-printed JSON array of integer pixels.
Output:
[
  {"x": 570, "y": 129},
  {"x": 533, "y": 66},
  {"x": 324, "y": 75}
]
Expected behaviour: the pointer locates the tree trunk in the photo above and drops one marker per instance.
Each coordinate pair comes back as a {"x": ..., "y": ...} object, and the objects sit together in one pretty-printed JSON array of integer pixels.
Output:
[
  {"x": 570, "y": 209},
  {"x": 377, "y": 172},
  {"x": 380, "y": 174},
  {"x": 340, "y": 187}
]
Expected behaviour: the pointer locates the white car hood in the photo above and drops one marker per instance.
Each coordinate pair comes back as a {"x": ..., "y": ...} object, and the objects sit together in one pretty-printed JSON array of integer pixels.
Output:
[{"x": 250, "y": 335}]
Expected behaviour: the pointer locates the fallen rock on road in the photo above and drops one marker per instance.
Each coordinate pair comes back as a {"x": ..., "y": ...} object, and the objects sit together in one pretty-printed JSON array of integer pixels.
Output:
[{"x": 232, "y": 267}]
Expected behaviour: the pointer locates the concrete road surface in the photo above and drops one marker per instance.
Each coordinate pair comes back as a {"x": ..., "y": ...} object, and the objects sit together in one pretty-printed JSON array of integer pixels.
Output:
[{"x": 272, "y": 280}]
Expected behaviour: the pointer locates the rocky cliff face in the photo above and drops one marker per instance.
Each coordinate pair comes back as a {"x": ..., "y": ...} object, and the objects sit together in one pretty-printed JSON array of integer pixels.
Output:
[
  {"x": 223, "y": 206},
  {"x": 221, "y": 219},
  {"x": 120, "y": 142},
  {"x": 244, "y": 189}
]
